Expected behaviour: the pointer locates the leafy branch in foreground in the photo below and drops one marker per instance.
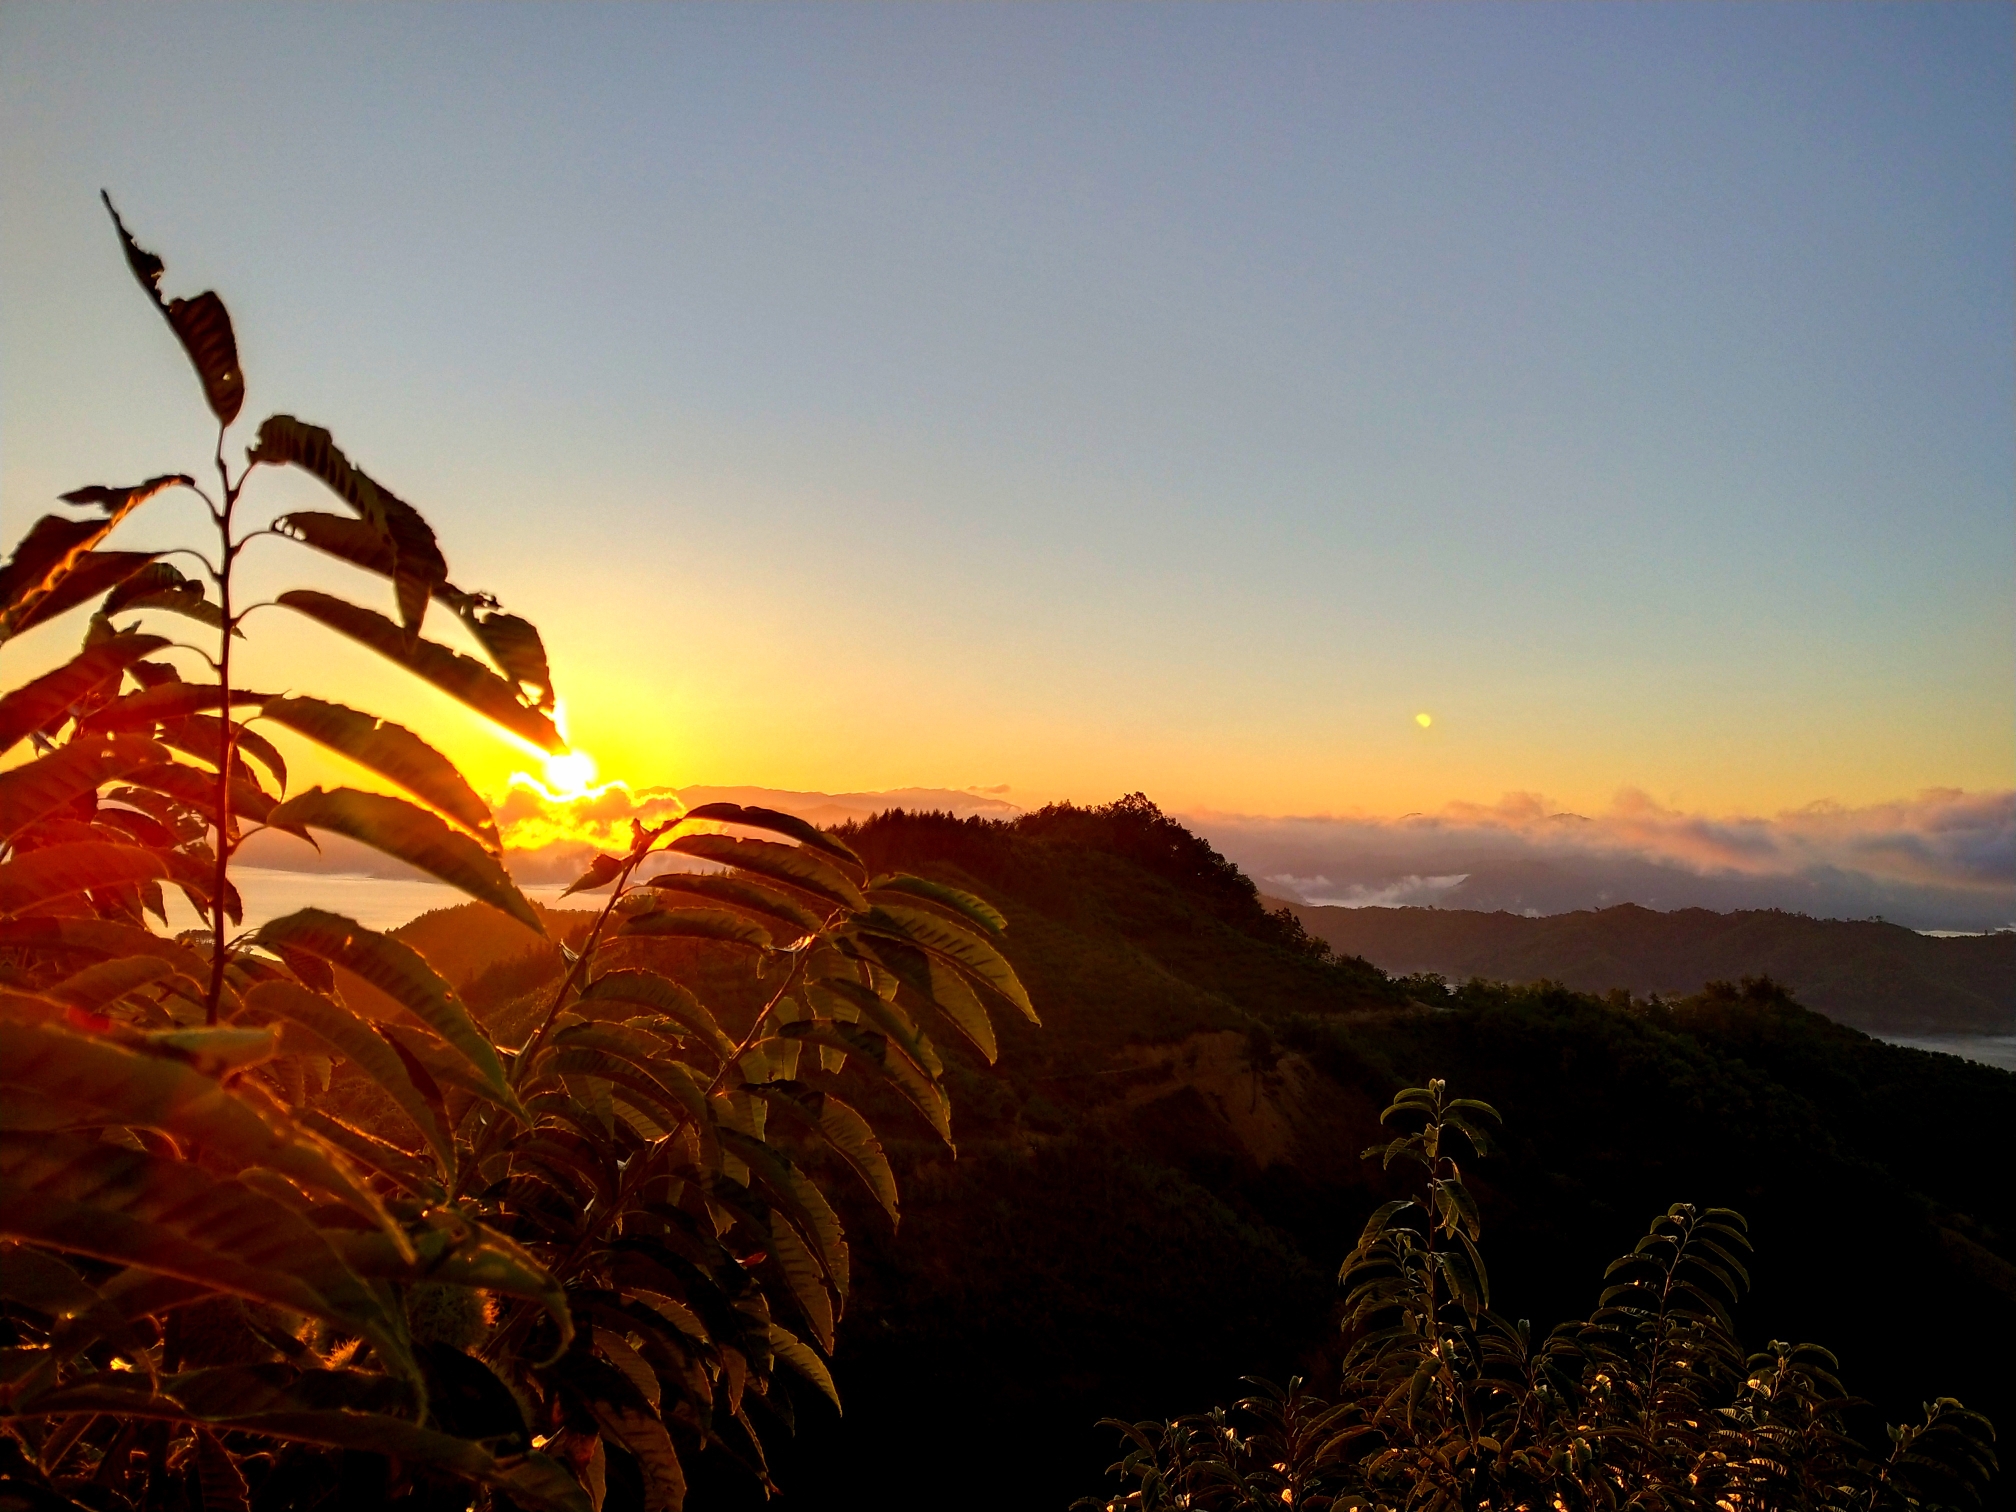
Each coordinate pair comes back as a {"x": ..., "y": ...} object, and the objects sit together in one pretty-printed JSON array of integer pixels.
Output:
[
  {"x": 280, "y": 1219},
  {"x": 1443, "y": 1403}
]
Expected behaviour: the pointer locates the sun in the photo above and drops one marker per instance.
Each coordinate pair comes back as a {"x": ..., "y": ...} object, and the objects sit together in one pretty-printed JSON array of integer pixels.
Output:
[
  {"x": 570, "y": 775},
  {"x": 1424, "y": 720}
]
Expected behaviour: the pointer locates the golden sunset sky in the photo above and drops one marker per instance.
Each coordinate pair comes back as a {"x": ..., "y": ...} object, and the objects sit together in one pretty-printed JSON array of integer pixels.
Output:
[{"x": 1086, "y": 399}]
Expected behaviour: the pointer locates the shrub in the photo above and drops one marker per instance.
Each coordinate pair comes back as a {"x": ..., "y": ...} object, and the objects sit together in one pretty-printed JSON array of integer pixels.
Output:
[
  {"x": 281, "y": 1221},
  {"x": 1445, "y": 1403}
]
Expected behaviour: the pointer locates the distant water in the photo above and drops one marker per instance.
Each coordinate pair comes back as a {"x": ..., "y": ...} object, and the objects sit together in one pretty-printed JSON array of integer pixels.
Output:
[
  {"x": 1989, "y": 1049},
  {"x": 374, "y": 902}
]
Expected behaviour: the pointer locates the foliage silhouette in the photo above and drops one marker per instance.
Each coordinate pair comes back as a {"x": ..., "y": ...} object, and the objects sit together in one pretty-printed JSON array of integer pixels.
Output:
[
  {"x": 1444, "y": 1403},
  {"x": 281, "y": 1219}
]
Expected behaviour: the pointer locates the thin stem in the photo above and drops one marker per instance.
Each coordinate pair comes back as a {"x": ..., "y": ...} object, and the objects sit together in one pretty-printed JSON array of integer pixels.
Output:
[{"x": 226, "y": 739}]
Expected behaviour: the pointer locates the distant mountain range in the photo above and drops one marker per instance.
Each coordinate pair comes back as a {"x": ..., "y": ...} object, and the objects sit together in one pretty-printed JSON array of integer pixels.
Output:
[{"x": 1879, "y": 977}]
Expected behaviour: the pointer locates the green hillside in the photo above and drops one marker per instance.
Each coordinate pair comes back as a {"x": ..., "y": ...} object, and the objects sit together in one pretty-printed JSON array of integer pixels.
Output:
[
  {"x": 1152, "y": 1192},
  {"x": 1879, "y": 977}
]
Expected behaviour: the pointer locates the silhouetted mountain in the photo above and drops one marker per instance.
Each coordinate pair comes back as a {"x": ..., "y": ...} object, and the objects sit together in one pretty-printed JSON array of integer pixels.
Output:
[
  {"x": 1153, "y": 1190},
  {"x": 1879, "y": 977}
]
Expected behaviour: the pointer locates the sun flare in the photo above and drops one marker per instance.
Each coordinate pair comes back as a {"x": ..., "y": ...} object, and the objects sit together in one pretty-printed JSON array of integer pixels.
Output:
[{"x": 569, "y": 776}]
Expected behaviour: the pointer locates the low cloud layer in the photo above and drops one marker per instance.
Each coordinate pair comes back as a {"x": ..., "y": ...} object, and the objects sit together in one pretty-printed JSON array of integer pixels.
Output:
[{"x": 1943, "y": 860}]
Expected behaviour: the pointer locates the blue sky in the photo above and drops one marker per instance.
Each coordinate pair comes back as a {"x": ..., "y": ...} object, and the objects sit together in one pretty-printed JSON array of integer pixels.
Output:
[{"x": 1089, "y": 398}]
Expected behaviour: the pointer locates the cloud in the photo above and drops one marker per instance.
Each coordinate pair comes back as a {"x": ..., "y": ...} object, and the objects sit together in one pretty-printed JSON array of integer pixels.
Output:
[{"x": 1944, "y": 859}]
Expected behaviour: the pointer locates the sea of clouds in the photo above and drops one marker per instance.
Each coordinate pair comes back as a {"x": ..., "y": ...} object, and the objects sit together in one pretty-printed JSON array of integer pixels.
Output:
[{"x": 1944, "y": 860}]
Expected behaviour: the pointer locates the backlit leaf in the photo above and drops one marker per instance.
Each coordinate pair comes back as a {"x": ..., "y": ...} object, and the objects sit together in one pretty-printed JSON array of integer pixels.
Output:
[
  {"x": 39, "y": 787},
  {"x": 698, "y": 924},
  {"x": 398, "y": 971},
  {"x": 355, "y": 1040},
  {"x": 57, "y": 871},
  {"x": 417, "y": 563},
  {"x": 171, "y": 1216},
  {"x": 202, "y": 324},
  {"x": 798, "y": 829},
  {"x": 391, "y": 751},
  {"x": 792, "y": 865},
  {"x": 459, "y": 676},
  {"x": 413, "y": 835},
  {"x": 36, "y": 704}
]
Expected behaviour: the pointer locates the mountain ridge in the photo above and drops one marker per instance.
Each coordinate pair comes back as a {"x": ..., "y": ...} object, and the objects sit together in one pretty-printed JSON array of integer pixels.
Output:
[{"x": 1877, "y": 977}]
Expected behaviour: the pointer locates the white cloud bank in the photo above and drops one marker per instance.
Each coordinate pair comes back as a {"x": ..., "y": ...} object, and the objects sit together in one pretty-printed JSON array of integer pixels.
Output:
[{"x": 1942, "y": 860}]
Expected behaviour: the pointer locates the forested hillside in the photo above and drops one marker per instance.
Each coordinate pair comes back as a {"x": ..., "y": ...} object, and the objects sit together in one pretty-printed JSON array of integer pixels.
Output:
[
  {"x": 1152, "y": 1191},
  {"x": 1879, "y": 977}
]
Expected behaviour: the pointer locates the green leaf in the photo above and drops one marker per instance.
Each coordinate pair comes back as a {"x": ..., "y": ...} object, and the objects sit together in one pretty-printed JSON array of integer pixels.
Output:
[
  {"x": 461, "y": 677},
  {"x": 357, "y": 1042},
  {"x": 413, "y": 835},
  {"x": 85, "y": 1197},
  {"x": 392, "y": 751},
  {"x": 796, "y": 1353},
  {"x": 750, "y": 817},
  {"x": 417, "y": 564},
  {"x": 898, "y": 1068},
  {"x": 963, "y": 949},
  {"x": 644, "y": 1436},
  {"x": 738, "y": 893},
  {"x": 202, "y": 324},
  {"x": 398, "y": 971},
  {"x": 803, "y": 1278},
  {"x": 978, "y": 910},
  {"x": 107, "y": 1083},
  {"x": 57, "y": 871},
  {"x": 37, "y": 788},
  {"x": 792, "y": 865},
  {"x": 38, "y": 703},
  {"x": 826, "y": 994},
  {"x": 698, "y": 924},
  {"x": 941, "y": 986},
  {"x": 850, "y": 1135},
  {"x": 652, "y": 993}
]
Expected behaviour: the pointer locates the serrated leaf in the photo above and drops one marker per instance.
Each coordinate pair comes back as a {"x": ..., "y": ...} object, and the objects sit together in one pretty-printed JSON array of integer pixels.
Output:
[
  {"x": 54, "y": 546},
  {"x": 105, "y": 1082},
  {"x": 359, "y": 1044},
  {"x": 652, "y": 993},
  {"x": 850, "y": 1135},
  {"x": 976, "y": 909},
  {"x": 57, "y": 871},
  {"x": 796, "y": 1353},
  {"x": 392, "y": 751},
  {"x": 950, "y": 942},
  {"x": 417, "y": 564},
  {"x": 697, "y": 924},
  {"x": 939, "y": 985},
  {"x": 739, "y": 893},
  {"x": 85, "y": 1197},
  {"x": 792, "y": 865},
  {"x": 38, "y": 703},
  {"x": 201, "y": 324},
  {"x": 398, "y": 971},
  {"x": 750, "y": 817},
  {"x": 91, "y": 573},
  {"x": 40, "y": 787},
  {"x": 413, "y": 835},
  {"x": 461, "y": 677}
]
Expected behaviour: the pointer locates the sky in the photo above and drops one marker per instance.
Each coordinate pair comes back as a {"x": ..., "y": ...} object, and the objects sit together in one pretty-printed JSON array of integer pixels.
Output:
[{"x": 1069, "y": 400}]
